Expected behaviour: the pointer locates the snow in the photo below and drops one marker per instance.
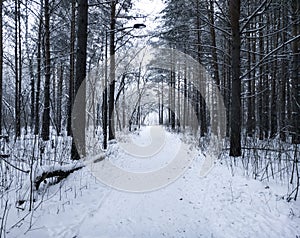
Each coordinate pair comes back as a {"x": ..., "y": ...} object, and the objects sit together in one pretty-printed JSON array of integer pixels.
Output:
[{"x": 217, "y": 205}]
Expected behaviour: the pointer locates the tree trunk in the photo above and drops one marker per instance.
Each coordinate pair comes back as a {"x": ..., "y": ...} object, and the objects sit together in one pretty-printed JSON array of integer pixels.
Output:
[
  {"x": 283, "y": 80},
  {"x": 185, "y": 94},
  {"x": 79, "y": 117},
  {"x": 20, "y": 71},
  {"x": 200, "y": 98},
  {"x": 275, "y": 84},
  {"x": 251, "y": 48},
  {"x": 172, "y": 92},
  {"x": 252, "y": 87},
  {"x": 235, "y": 137},
  {"x": 17, "y": 95},
  {"x": 72, "y": 67},
  {"x": 112, "y": 73},
  {"x": 266, "y": 88},
  {"x": 261, "y": 71},
  {"x": 178, "y": 113},
  {"x": 38, "y": 84},
  {"x": 104, "y": 103},
  {"x": 295, "y": 73},
  {"x": 216, "y": 111},
  {"x": 46, "y": 111},
  {"x": 161, "y": 120},
  {"x": 59, "y": 98}
]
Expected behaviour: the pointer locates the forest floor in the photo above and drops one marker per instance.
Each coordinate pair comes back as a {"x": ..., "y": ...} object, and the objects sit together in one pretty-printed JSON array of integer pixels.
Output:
[{"x": 222, "y": 204}]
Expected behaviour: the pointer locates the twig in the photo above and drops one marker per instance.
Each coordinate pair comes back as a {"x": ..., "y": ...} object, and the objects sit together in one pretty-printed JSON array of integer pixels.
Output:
[
  {"x": 3, "y": 158},
  {"x": 2, "y": 230}
]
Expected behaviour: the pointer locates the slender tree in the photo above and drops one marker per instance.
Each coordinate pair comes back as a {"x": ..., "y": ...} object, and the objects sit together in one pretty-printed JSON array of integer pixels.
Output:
[
  {"x": 46, "y": 112},
  {"x": 30, "y": 56},
  {"x": 112, "y": 82},
  {"x": 251, "y": 49},
  {"x": 20, "y": 62},
  {"x": 235, "y": 137},
  {"x": 72, "y": 67},
  {"x": 59, "y": 97},
  {"x": 104, "y": 94},
  {"x": 38, "y": 84},
  {"x": 274, "y": 82},
  {"x": 17, "y": 77}
]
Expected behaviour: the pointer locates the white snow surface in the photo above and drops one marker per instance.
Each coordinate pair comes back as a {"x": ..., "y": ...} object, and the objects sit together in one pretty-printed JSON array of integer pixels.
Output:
[{"x": 219, "y": 205}]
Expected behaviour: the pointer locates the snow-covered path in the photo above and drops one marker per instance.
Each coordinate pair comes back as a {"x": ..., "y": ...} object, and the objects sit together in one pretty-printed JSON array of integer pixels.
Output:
[
  {"x": 225, "y": 207},
  {"x": 219, "y": 205}
]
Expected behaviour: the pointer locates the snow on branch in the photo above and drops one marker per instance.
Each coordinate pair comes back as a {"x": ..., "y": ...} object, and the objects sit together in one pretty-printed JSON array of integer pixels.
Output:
[{"x": 60, "y": 172}]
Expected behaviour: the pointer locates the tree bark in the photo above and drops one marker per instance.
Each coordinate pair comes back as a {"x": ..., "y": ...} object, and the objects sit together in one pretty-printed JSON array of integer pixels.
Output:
[
  {"x": 235, "y": 137},
  {"x": 111, "y": 106},
  {"x": 17, "y": 95},
  {"x": 79, "y": 117},
  {"x": 200, "y": 104},
  {"x": 46, "y": 111}
]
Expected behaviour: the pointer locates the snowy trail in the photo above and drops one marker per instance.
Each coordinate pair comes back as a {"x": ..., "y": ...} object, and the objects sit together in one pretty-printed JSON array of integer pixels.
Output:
[
  {"x": 200, "y": 209},
  {"x": 218, "y": 205}
]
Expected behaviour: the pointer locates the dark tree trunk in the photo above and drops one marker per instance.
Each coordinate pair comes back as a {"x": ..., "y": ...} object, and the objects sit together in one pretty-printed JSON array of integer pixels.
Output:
[
  {"x": 200, "y": 98},
  {"x": 161, "y": 119},
  {"x": 172, "y": 92},
  {"x": 17, "y": 95},
  {"x": 32, "y": 96},
  {"x": 79, "y": 118},
  {"x": 185, "y": 94},
  {"x": 235, "y": 137},
  {"x": 46, "y": 111},
  {"x": 111, "y": 106}
]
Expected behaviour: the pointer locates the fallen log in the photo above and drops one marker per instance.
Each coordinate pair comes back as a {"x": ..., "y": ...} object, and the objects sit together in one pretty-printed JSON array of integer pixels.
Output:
[{"x": 59, "y": 173}]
